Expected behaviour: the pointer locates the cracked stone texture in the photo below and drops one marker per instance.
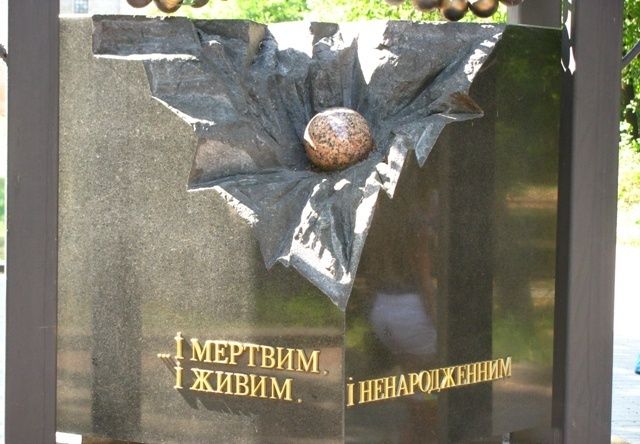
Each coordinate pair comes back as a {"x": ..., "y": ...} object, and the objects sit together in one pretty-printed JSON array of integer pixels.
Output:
[{"x": 249, "y": 90}]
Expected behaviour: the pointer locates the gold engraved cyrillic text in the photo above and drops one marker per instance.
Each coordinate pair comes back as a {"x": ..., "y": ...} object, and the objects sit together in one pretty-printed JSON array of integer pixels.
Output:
[
  {"x": 426, "y": 381},
  {"x": 209, "y": 353}
]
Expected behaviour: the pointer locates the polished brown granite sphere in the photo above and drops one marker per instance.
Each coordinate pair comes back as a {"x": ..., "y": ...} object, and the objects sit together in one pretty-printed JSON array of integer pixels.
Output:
[
  {"x": 337, "y": 138},
  {"x": 454, "y": 10},
  {"x": 199, "y": 3},
  {"x": 138, "y": 3},
  {"x": 168, "y": 6},
  {"x": 426, "y": 5},
  {"x": 483, "y": 8}
]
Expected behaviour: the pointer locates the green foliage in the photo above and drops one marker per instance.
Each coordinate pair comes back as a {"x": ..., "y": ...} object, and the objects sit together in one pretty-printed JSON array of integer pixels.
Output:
[
  {"x": 629, "y": 186},
  {"x": 631, "y": 36},
  {"x": 631, "y": 75},
  {"x": 629, "y": 189},
  {"x": 274, "y": 11},
  {"x": 353, "y": 10},
  {"x": 629, "y": 176},
  {"x": 263, "y": 11},
  {"x": 270, "y": 11}
]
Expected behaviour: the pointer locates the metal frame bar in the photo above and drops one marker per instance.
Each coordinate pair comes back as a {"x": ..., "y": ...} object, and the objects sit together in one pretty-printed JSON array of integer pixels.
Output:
[
  {"x": 32, "y": 222},
  {"x": 631, "y": 55}
]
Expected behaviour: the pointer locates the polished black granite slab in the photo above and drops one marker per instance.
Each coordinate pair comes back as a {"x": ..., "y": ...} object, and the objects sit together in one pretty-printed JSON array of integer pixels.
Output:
[
  {"x": 471, "y": 278},
  {"x": 468, "y": 278}
]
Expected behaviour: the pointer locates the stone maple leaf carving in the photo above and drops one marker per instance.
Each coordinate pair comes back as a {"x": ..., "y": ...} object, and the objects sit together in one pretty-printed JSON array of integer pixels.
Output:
[{"x": 249, "y": 90}]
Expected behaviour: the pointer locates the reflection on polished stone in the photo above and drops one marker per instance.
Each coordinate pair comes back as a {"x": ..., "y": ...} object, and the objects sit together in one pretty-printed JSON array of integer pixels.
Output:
[{"x": 469, "y": 278}]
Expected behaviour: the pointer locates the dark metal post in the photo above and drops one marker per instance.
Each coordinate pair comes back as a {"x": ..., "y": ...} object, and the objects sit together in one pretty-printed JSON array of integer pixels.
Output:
[
  {"x": 587, "y": 219},
  {"x": 32, "y": 221},
  {"x": 587, "y": 214}
]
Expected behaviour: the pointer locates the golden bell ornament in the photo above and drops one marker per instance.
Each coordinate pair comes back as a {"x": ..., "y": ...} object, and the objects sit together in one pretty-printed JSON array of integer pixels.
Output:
[
  {"x": 483, "y": 8},
  {"x": 454, "y": 10},
  {"x": 168, "y": 6},
  {"x": 138, "y": 3},
  {"x": 426, "y": 5}
]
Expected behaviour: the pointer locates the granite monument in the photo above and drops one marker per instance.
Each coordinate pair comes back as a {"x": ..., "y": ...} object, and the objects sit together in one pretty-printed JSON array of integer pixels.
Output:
[{"x": 216, "y": 286}]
